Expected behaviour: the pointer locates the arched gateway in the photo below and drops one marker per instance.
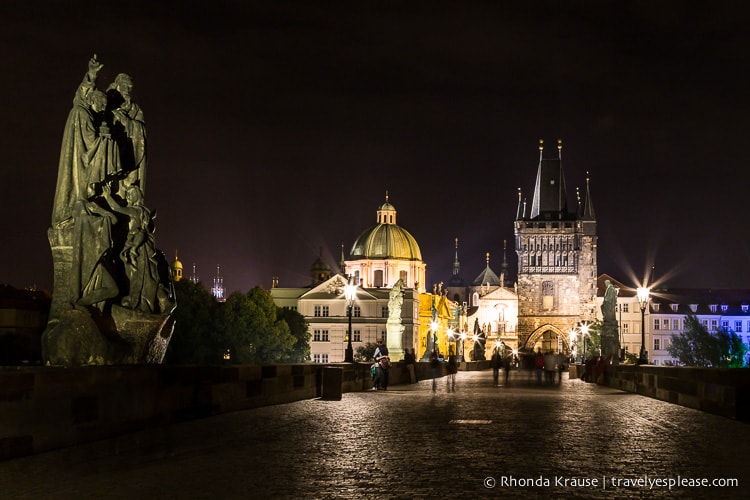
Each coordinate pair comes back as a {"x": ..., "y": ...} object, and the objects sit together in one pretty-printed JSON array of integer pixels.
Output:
[{"x": 551, "y": 339}]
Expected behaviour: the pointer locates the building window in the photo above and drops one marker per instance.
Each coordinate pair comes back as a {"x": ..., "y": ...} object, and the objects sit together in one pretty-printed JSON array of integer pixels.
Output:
[
  {"x": 317, "y": 310},
  {"x": 625, "y": 328},
  {"x": 725, "y": 324},
  {"x": 724, "y": 307},
  {"x": 738, "y": 326},
  {"x": 674, "y": 307},
  {"x": 325, "y": 311},
  {"x": 356, "y": 336},
  {"x": 625, "y": 307},
  {"x": 316, "y": 358},
  {"x": 384, "y": 312},
  {"x": 316, "y": 335},
  {"x": 713, "y": 307},
  {"x": 657, "y": 344},
  {"x": 655, "y": 306},
  {"x": 714, "y": 325},
  {"x": 744, "y": 308},
  {"x": 704, "y": 322},
  {"x": 378, "y": 275},
  {"x": 665, "y": 324},
  {"x": 356, "y": 311},
  {"x": 675, "y": 324},
  {"x": 324, "y": 335},
  {"x": 383, "y": 336},
  {"x": 657, "y": 324}
]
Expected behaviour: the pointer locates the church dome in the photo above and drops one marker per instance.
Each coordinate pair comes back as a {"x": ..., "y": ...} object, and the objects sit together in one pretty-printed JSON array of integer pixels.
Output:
[
  {"x": 176, "y": 268},
  {"x": 386, "y": 239}
]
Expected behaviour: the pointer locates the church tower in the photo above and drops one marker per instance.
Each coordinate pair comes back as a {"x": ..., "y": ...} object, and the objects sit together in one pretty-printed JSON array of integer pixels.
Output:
[{"x": 556, "y": 250}]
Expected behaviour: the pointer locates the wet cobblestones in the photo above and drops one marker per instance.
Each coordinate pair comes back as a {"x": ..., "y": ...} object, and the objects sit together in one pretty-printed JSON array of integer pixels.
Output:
[{"x": 411, "y": 442}]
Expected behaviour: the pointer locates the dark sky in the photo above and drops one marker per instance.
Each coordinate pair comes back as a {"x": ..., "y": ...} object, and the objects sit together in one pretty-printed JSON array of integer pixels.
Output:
[{"x": 275, "y": 128}]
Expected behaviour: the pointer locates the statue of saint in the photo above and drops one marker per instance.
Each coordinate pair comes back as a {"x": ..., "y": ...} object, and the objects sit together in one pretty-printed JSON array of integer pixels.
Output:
[
  {"x": 609, "y": 304},
  {"x": 395, "y": 301}
]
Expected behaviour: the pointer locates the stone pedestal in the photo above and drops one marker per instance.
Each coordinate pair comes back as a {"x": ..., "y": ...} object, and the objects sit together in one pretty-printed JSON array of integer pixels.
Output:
[{"x": 395, "y": 340}]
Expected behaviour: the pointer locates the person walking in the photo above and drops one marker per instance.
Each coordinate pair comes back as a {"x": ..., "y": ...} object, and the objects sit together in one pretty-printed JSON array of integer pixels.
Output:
[
  {"x": 452, "y": 370},
  {"x": 384, "y": 365}
]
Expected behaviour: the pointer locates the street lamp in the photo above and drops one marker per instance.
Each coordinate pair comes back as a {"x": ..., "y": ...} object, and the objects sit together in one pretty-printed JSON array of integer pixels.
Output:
[
  {"x": 643, "y": 294},
  {"x": 463, "y": 346},
  {"x": 350, "y": 293},
  {"x": 584, "y": 332}
]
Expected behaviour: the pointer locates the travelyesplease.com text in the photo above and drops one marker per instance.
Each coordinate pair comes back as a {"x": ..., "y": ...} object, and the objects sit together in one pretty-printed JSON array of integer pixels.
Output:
[{"x": 609, "y": 482}]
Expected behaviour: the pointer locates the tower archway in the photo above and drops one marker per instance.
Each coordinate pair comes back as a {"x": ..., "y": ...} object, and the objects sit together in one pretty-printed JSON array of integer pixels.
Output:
[{"x": 548, "y": 337}]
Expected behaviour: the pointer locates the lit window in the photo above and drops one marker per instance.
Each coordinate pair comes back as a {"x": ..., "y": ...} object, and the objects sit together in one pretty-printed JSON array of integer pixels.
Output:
[
  {"x": 657, "y": 324},
  {"x": 356, "y": 311},
  {"x": 665, "y": 324},
  {"x": 713, "y": 307},
  {"x": 724, "y": 307}
]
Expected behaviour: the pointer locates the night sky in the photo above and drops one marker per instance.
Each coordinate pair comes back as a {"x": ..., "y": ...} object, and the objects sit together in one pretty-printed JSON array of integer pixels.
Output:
[{"x": 275, "y": 128}]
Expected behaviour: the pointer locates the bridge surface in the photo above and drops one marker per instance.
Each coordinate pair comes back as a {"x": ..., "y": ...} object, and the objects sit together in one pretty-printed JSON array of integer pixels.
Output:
[{"x": 570, "y": 439}]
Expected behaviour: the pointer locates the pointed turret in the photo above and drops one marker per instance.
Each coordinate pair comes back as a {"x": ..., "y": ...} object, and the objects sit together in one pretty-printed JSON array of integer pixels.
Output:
[
  {"x": 588, "y": 210},
  {"x": 550, "y": 195},
  {"x": 456, "y": 279},
  {"x": 487, "y": 276},
  {"x": 504, "y": 265}
]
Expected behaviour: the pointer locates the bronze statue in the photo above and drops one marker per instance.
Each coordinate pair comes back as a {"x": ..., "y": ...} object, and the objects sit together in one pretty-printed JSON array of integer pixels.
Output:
[{"x": 113, "y": 295}]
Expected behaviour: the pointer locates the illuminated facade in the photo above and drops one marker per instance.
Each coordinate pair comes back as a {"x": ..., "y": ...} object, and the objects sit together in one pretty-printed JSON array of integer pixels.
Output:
[
  {"x": 557, "y": 267},
  {"x": 385, "y": 253}
]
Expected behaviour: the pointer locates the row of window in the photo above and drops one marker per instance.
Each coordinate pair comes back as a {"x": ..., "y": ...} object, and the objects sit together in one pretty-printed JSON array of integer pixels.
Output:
[
  {"x": 324, "y": 311},
  {"x": 655, "y": 306},
  {"x": 711, "y": 325},
  {"x": 322, "y": 336}
]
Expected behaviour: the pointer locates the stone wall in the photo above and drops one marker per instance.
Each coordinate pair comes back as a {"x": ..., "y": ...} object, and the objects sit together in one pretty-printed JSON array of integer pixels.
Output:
[
  {"x": 43, "y": 408},
  {"x": 719, "y": 391}
]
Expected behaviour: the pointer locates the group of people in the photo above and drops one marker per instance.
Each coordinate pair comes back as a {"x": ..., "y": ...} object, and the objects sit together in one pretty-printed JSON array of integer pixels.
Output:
[{"x": 549, "y": 366}]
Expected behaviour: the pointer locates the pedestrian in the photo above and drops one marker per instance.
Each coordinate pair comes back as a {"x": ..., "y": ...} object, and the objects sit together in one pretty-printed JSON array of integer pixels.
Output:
[
  {"x": 410, "y": 358},
  {"x": 550, "y": 367},
  {"x": 539, "y": 366},
  {"x": 496, "y": 362},
  {"x": 384, "y": 365},
  {"x": 434, "y": 368},
  {"x": 452, "y": 370},
  {"x": 561, "y": 358},
  {"x": 507, "y": 363}
]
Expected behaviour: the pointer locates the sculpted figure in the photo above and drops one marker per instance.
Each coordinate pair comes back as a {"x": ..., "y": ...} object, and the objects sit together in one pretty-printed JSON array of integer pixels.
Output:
[
  {"x": 395, "y": 301},
  {"x": 81, "y": 142},
  {"x": 138, "y": 253},
  {"x": 610, "y": 302},
  {"x": 129, "y": 130}
]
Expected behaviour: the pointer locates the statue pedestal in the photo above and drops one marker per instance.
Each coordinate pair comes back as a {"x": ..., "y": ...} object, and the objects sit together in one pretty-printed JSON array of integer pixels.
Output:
[
  {"x": 611, "y": 341},
  {"x": 394, "y": 340}
]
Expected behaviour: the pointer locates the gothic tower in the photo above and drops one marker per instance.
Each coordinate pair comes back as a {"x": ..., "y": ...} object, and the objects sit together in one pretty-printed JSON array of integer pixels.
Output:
[{"x": 556, "y": 251}]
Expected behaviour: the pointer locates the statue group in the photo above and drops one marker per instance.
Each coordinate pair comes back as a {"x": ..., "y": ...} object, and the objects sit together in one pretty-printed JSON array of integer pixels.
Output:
[{"x": 113, "y": 297}]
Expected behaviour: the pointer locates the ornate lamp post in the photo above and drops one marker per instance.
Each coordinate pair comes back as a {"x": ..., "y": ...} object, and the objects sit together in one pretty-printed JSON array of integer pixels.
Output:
[
  {"x": 350, "y": 293},
  {"x": 643, "y": 294}
]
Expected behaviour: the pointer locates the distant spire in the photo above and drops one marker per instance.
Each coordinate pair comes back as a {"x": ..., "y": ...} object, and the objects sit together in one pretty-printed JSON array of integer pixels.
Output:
[
  {"x": 559, "y": 149},
  {"x": 541, "y": 149},
  {"x": 487, "y": 258},
  {"x": 504, "y": 265},
  {"x": 518, "y": 209},
  {"x": 456, "y": 264},
  {"x": 386, "y": 196},
  {"x": 342, "y": 262},
  {"x": 588, "y": 211}
]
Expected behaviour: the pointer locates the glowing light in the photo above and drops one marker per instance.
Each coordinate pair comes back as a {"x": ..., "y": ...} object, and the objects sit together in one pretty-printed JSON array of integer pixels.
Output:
[
  {"x": 643, "y": 294},
  {"x": 434, "y": 326}
]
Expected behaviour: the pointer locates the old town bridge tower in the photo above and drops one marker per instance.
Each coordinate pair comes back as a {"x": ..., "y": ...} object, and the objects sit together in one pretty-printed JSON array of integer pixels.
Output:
[{"x": 556, "y": 251}]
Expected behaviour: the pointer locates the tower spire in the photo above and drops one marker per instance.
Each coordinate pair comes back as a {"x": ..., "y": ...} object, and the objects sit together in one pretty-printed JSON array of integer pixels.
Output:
[
  {"x": 588, "y": 211},
  {"x": 518, "y": 209},
  {"x": 342, "y": 261}
]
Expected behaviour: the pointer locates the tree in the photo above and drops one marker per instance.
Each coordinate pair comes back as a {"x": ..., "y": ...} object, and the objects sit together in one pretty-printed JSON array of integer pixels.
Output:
[
  {"x": 298, "y": 327},
  {"x": 252, "y": 332},
  {"x": 593, "y": 340},
  {"x": 696, "y": 346},
  {"x": 365, "y": 352},
  {"x": 195, "y": 339}
]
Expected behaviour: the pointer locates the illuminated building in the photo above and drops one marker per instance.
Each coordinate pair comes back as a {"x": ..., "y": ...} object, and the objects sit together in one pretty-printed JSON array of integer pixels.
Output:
[{"x": 557, "y": 267}]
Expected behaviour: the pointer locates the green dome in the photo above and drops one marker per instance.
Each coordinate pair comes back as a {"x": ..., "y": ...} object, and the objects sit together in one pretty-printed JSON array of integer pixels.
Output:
[{"x": 386, "y": 241}]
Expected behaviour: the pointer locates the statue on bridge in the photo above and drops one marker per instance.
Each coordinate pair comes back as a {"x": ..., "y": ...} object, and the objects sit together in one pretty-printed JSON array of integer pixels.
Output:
[
  {"x": 113, "y": 295},
  {"x": 610, "y": 333}
]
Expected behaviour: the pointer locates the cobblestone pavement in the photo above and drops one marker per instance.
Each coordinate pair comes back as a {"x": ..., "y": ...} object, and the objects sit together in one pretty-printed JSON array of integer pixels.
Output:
[{"x": 520, "y": 440}]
